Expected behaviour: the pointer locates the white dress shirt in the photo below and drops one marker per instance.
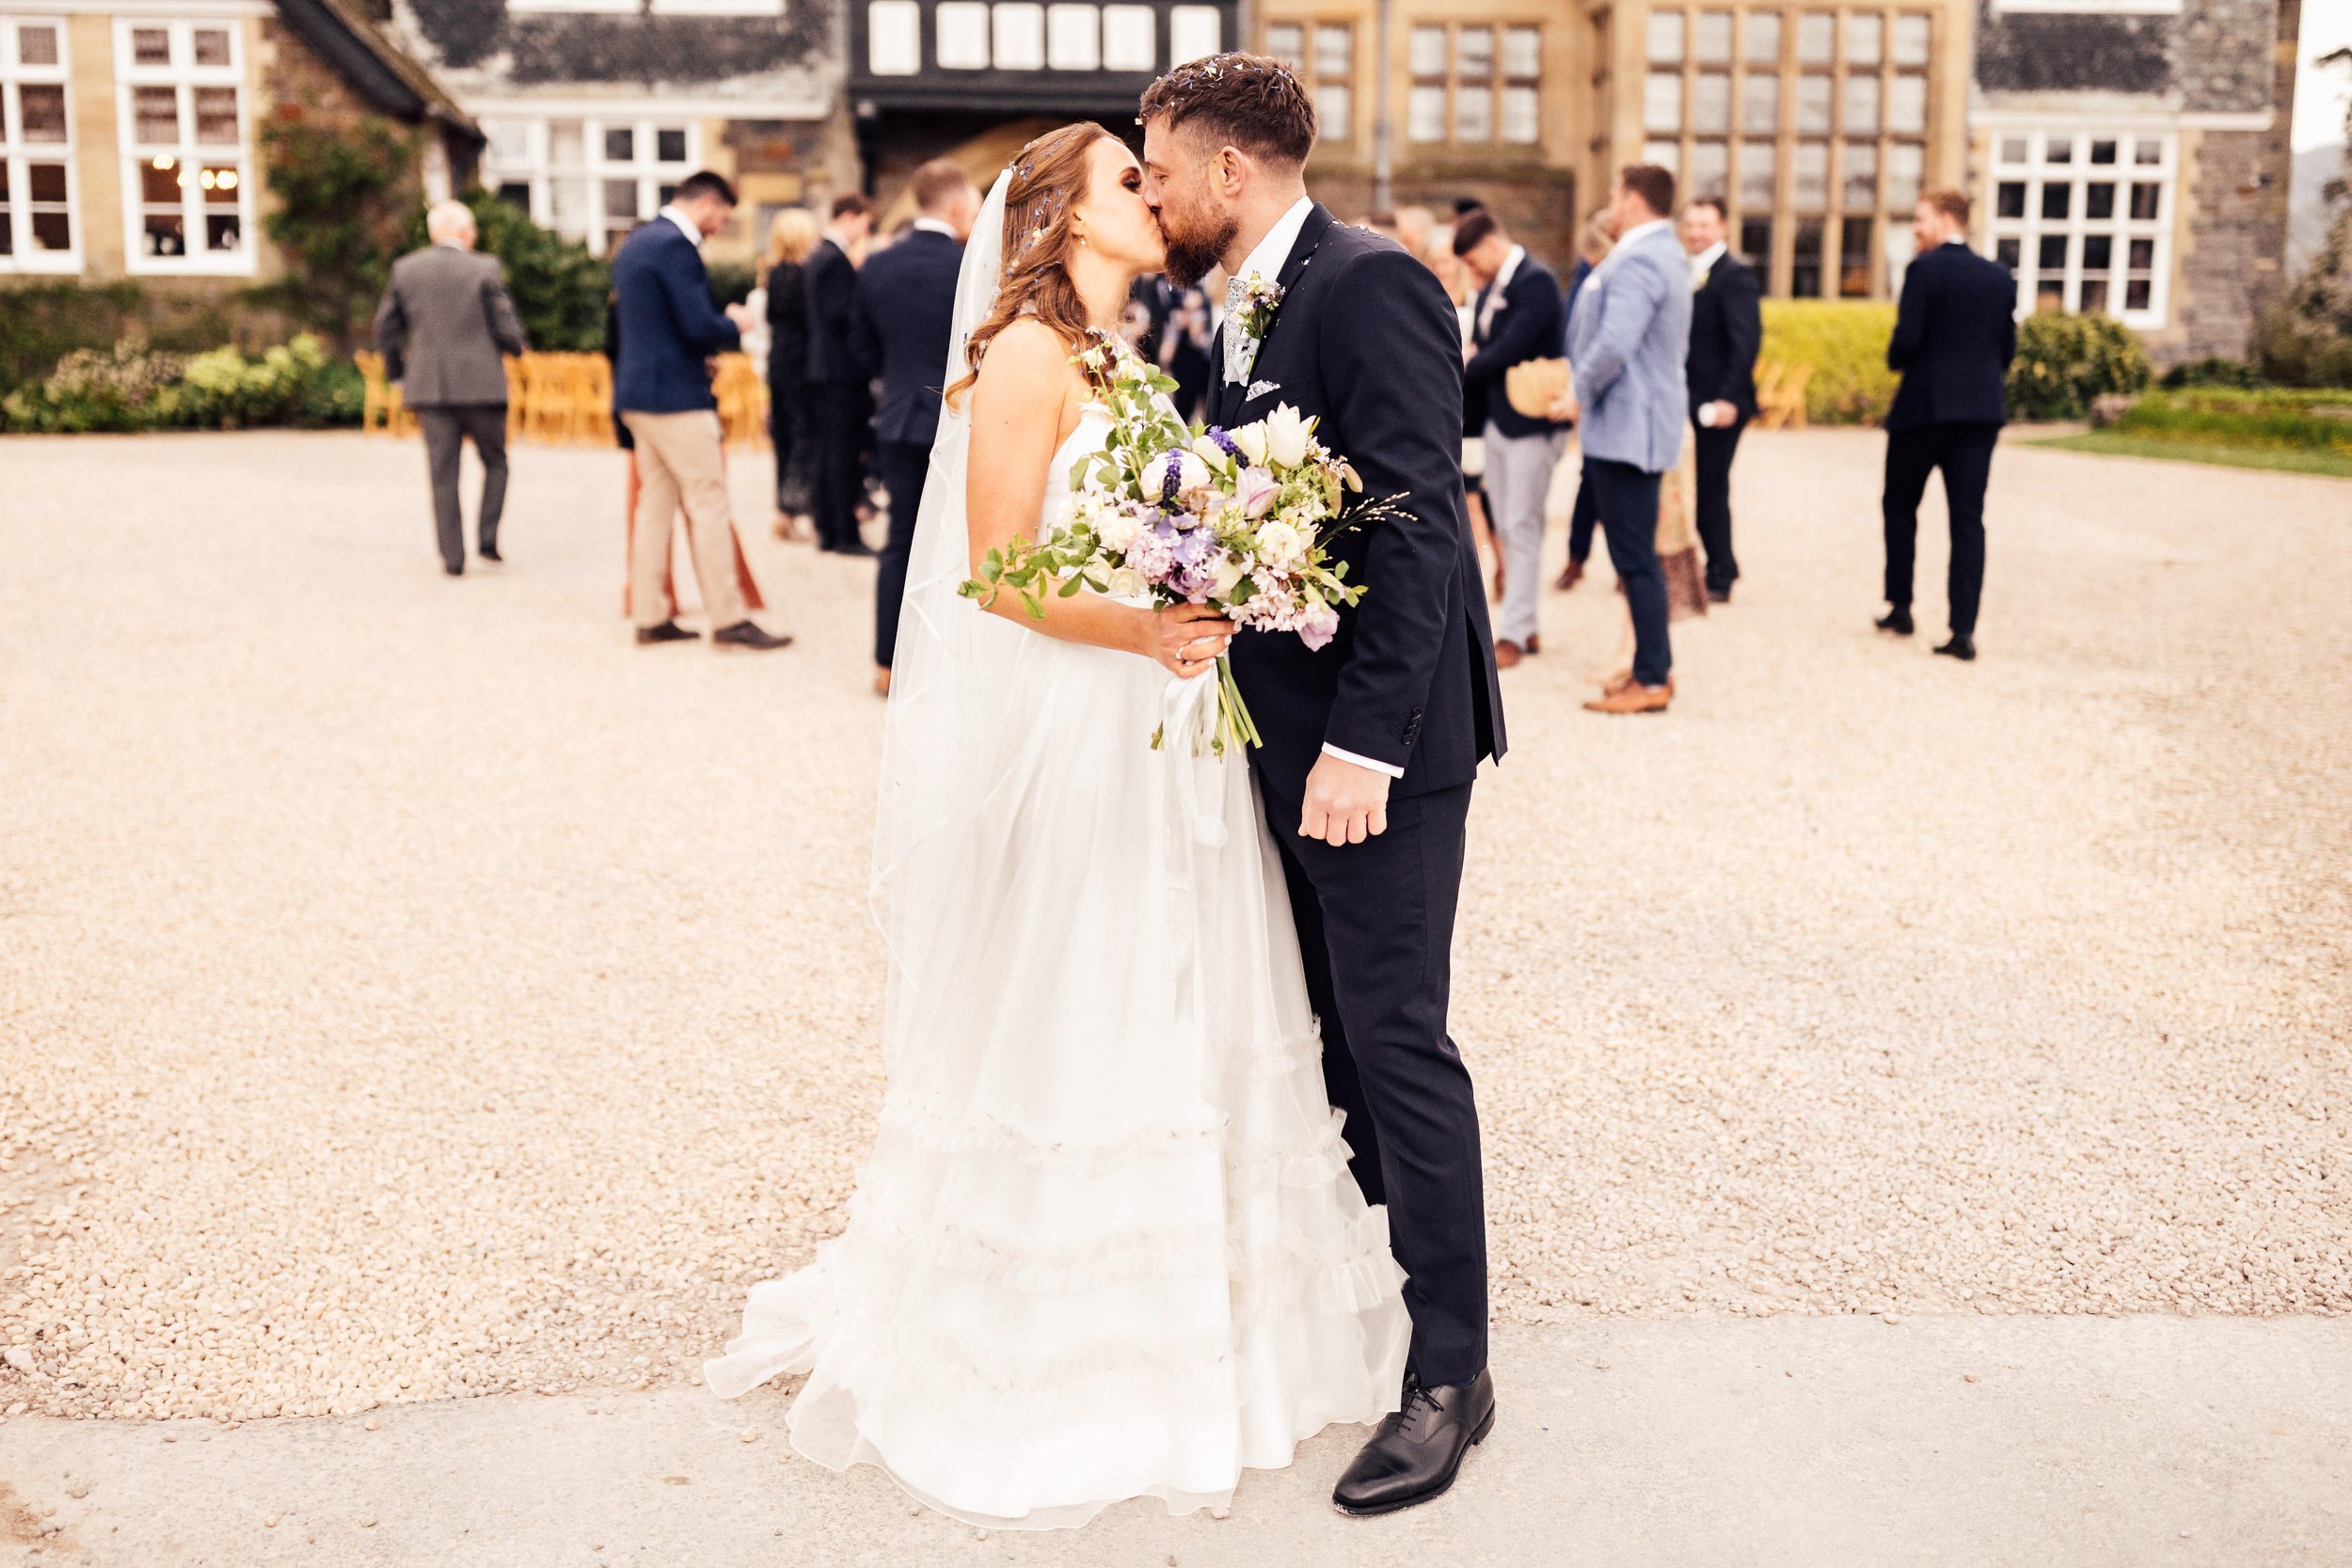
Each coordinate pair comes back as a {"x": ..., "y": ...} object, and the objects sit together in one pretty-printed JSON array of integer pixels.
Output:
[
  {"x": 1503, "y": 275},
  {"x": 933, "y": 226},
  {"x": 1705, "y": 262},
  {"x": 686, "y": 226},
  {"x": 1266, "y": 262},
  {"x": 1632, "y": 237}
]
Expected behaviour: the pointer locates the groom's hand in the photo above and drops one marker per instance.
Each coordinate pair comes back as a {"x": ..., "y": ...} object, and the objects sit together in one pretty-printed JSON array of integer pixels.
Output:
[{"x": 1345, "y": 804}]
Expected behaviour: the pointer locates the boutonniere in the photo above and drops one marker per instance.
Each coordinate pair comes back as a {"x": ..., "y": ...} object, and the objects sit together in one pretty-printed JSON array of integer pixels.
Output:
[
  {"x": 1698, "y": 280},
  {"x": 1260, "y": 299}
]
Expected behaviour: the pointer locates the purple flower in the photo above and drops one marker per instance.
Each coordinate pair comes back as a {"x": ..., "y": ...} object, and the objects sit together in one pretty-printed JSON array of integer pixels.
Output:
[
  {"x": 1225, "y": 442},
  {"x": 1319, "y": 625}
]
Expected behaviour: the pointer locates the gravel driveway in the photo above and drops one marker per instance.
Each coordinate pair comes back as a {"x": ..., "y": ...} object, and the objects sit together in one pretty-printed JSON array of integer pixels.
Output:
[{"x": 409, "y": 989}]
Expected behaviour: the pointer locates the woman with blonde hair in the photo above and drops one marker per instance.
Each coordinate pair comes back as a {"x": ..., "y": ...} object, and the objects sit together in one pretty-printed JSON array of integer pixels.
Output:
[
  {"x": 1106, "y": 1243},
  {"x": 792, "y": 235}
]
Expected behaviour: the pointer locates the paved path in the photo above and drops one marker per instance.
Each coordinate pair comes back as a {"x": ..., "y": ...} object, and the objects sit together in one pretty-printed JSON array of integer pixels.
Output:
[
  {"x": 411, "y": 990},
  {"x": 1808, "y": 1443}
]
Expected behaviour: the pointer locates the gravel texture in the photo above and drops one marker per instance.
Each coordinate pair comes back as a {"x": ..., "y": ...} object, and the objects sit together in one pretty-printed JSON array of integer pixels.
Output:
[{"x": 410, "y": 989}]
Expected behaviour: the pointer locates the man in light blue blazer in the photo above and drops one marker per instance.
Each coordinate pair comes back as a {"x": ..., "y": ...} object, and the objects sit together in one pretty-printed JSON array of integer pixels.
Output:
[{"x": 1627, "y": 339}]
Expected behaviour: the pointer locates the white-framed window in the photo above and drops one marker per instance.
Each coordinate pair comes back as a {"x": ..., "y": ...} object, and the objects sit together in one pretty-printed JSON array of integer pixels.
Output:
[
  {"x": 188, "y": 186},
  {"x": 1194, "y": 32},
  {"x": 893, "y": 37},
  {"x": 1012, "y": 35},
  {"x": 720, "y": 8},
  {"x": 2083, "y": 219},
  {"x": 1478, "y": 82},
  {"x": 41, "y": 226},
  {"x": 589, "y": 179},
  {"x": 629, "y": 6},
  {"x": 2105, "y": 7}
]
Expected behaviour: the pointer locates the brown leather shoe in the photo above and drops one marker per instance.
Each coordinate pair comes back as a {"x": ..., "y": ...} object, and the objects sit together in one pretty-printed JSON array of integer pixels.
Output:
[
  {"x": 1570, "y": 574},
  {"x": 881, "y": 680},
  {"x": 1507, "y": 653},
  {"x": 1623, "y": 680},
  {"x": 1632, "y": 699}
]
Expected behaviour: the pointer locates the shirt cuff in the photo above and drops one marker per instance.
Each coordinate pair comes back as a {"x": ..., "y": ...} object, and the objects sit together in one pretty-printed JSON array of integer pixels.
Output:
[{"x": 1390, "y": 768}]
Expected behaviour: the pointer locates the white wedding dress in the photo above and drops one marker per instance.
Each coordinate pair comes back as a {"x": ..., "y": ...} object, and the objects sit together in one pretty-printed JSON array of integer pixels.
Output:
[{"x": 1106, "y": 1245}]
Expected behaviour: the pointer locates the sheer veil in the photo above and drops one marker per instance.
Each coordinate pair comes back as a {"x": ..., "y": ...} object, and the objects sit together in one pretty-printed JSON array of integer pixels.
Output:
[{"x": 934, "y": 738}]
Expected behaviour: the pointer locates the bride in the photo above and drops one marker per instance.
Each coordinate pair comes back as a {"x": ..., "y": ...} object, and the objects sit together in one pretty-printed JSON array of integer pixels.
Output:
[{"x": 1106, "y": 1245}]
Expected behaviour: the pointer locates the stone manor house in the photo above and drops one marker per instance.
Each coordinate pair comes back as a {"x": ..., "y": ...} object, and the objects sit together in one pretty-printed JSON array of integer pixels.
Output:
[{"x": 2126, "y": 156}]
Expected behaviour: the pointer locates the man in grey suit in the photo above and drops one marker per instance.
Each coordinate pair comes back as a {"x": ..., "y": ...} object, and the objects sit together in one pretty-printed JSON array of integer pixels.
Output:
[
  {"x": 1627, "y": 344},
  {"x": 445, "y": 320}
]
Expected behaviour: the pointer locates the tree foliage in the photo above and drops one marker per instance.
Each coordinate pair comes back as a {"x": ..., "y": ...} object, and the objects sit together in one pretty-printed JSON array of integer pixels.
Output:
[
  {"x": 558, "y": 288},
  {"x": 343, "y": 195}
]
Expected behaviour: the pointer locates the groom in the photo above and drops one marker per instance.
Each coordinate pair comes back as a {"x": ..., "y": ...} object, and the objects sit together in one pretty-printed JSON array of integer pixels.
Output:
[{"x": 1373, "y": 741}]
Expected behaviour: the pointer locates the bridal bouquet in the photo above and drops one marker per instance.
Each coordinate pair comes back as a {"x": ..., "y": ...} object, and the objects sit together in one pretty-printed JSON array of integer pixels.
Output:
[{"x": 1241, "y": 519}]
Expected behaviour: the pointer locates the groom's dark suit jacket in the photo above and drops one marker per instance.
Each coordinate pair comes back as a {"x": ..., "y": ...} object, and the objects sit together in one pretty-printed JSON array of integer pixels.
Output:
[{"x": 1366, "y": 340}]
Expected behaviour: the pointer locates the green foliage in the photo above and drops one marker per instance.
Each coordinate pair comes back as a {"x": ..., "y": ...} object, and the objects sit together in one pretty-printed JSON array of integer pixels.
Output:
[
  {"x": 558, "y": 288},
  {"x": 42, "y": 323},
  {"x": 2064, "y": 362},
  {"x": 343, "y": 196},
  {"x": 131, "y": 386},
  {"x": 1845, "y": 342},
  {"x": 2214, "y": 372},
  {"x": 2296, "y": 347},
  {"x": 731, "y": 284},
  {"x": 2315, "y": 420}
]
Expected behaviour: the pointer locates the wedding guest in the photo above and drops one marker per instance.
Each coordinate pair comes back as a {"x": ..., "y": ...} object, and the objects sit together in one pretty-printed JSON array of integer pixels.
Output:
[
  {"x": 1184, "y": 350},
  {"x": 1516, "y": 319},
  {"x": 1592, "y": 247},
  {"x": 444, "y": 322},
  {"x": 668, "y": 330},
  {"x": 1627, "y": 341},
  {"x": 839, "y": 402},
  {"x": 901, "y": 314},
  {"x": 1955, "y": 333},
  {"x": 1438, "y": 256},
  {"x": 1727, "y": 329},
  {"x": 792, "y": 235},
  {"x": 1414, "y": 225}
]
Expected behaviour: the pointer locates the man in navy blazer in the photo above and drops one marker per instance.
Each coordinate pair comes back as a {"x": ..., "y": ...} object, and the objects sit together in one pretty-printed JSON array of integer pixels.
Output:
[
  {"x": 669, "y": 331},
  {"x": 901, "y": 314},
  {"x": 1517, "y": 320},
  {"x": 1727, "y": 329},
  {"x": 839, "y": 404},
  {"x": 1955, "y": 333}
]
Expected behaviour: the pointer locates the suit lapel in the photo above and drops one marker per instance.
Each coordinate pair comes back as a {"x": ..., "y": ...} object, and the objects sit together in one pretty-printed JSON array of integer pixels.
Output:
[{"x": 1319, "y": 221}]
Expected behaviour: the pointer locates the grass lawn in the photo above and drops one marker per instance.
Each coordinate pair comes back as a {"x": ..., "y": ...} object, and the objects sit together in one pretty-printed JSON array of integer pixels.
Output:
[{"x": 2337, "y": 464}]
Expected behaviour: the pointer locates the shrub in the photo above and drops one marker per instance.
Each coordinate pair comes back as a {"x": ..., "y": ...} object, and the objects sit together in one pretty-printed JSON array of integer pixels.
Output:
[
  {"x": 2064, "y": 362},
  {"x": 131, "y": 386},
  {"x": 2213, "y": 372},
  {"x": 2294, "y": 349},
  {"x": 1845, "y": 342},
  {"x": 340, "y": 193},
  {"x": 731, "y": 284},
  {"x": 42, "y": 323}
]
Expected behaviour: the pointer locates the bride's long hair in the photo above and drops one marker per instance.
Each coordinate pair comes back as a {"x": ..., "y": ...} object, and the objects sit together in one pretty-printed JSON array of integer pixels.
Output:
[{"x": 1047, "y": 182}]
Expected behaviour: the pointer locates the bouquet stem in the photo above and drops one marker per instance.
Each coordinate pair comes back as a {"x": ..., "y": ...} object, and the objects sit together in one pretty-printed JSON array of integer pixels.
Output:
[{"x": 1236, "y": 728}]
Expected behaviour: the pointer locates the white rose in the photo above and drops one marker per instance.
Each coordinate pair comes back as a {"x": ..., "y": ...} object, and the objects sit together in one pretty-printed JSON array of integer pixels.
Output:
[
  {"x": 1252, "y": 439},
  {"x": 1278, "y": 543},
  {"x": 1286, "y": 436},
  {"x": 1228, "y": 572},
  {"x": 1118, "y": 531},
  {"x": 1127, "y": 583},
  {"x": 1209, "y": 452}
]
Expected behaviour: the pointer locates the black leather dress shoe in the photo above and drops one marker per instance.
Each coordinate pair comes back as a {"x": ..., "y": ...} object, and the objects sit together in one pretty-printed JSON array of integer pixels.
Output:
[
  {"x": 1417, "y": 1452},
  {"x": 668, "y": 631},
  {"x": 490, "y": 554},
  {"x": 1962, "y": 647},
  {"x": 1719, "y": 595},
  {"x": 1896, "y": 620},
  {"x": 747, "y": 634}
]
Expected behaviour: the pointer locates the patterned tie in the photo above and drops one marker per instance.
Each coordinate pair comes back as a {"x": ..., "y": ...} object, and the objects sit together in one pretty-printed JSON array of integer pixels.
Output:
[{"x": 1239, "y": 348}]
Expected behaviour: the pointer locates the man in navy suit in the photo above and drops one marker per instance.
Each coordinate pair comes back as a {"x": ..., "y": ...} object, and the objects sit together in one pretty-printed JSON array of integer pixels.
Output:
[
  {"x": 901, "y": 314},
  {"x": 838, "y": 402},
  {"x": 1372, "y": 739},
  {"x": 1955, "y": 333},
  {"x": 1517, "y": 320},
  {"x": 1727, "y": 329},
  {"x": 669, "y": 330}
]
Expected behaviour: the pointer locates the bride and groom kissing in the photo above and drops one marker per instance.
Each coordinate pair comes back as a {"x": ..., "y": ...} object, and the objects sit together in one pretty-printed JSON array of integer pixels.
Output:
[{"x": 1177, "y": 1163}]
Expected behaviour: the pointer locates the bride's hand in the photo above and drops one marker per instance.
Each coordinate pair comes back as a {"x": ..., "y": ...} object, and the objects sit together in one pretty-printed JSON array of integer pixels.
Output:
[{"x": 1187, "y": 637}]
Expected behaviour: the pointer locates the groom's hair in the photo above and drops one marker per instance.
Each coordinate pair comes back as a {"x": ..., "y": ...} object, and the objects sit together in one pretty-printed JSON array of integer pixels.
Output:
[{"x": 1252, "y": 102}]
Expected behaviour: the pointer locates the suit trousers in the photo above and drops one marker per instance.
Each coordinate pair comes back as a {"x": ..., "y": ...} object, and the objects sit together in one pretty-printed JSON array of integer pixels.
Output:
[
  {"x": 1519, "y": 477},
  {"x": 904, "y": 465},
  {"x": 1582, "y": 517},
  {"x": 1376, "y": 929},
  {"x": 1964, "y": 452},
  {"x": 679, "y": 463},
  {"x": 1715, "y": 449},
  {"x": 445, "y": 431},
  {"x": 1627, "y": 499},
  {"x": 837, "y": 416}
]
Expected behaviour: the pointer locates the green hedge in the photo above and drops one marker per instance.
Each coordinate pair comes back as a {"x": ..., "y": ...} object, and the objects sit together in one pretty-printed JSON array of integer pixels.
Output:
[
  {"x": 2064, "y": 363},
  {"x": 42, "y": 323},
  {"x": 131, "y": 386},
  {"x": 2275, "y": 418},
  {"x": 1845, "y": 342}
]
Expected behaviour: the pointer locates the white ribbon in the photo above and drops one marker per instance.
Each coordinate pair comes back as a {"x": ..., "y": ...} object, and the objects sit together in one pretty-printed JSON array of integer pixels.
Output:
[{"x": 1196, "y": 784}]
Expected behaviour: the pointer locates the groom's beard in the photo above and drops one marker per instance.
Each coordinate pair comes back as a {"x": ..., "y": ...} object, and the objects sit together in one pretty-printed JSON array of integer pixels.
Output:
[{"x": 1192, "y": 257}]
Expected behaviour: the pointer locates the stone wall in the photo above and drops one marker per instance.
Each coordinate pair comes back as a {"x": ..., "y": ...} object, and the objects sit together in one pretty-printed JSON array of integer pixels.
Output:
[{"x": 2228, "y": 268}]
